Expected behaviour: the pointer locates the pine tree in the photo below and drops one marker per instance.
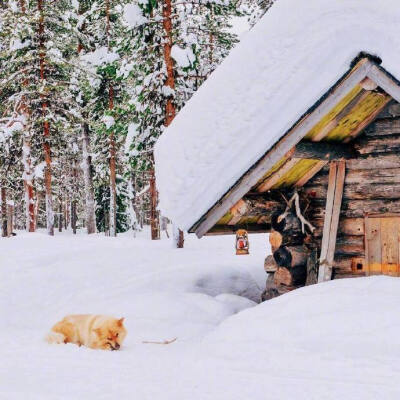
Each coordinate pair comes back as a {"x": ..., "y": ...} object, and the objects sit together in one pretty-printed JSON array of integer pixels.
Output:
[
  {"x": 34, "y": 80},
  {"x": 176, "y": 46}
]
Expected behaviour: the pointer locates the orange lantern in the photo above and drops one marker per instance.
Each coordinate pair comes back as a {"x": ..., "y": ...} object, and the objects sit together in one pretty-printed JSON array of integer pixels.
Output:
[{"x": 242, "y": 242}]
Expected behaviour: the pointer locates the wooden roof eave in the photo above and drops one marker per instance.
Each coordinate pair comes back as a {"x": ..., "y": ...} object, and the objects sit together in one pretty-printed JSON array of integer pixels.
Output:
[{"x": 365, "y": 68}]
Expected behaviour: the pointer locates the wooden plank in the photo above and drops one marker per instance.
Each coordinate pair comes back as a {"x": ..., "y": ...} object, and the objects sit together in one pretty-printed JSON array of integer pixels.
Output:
[
  {"x": 373, "y": 246},
  {"x": 375, "y": 161},
  {"x": 323, "y": 151},
  {"x": 367, "y": 121},
  {"x": 385, "y": 81},
  {"x": 382, "y": 144},
  {"x": 312, "y": 172},
  {"x": 390, "y": 245},
  {"x": 346, "y": 110},
  {"x": 237, "y": 211},
  {"x": 333, "y": 205},
  {"x": 267, "y": 184},
  {"x": 384, "y": 127},
  {"x": 289, "y": 140},
  {"x": 347, "y": 227},
  {"x": 328, "y": 211},
  {"x": 336, "y": 211}
]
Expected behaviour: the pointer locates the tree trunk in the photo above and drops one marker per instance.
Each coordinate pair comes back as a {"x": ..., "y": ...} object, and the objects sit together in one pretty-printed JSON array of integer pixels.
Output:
[
  {"x": 73, "y": 216},
  {"x": 154, "y": 217},
  {"x": 28, "y": 188},
  {"x": 26, "y": 159},
  {"x": 178, "y": 237},
  {"x": 60, "y": 215},
  {"x": 87, "y": 165},
  {"x": 46, "y": 127},
  {"x": 170, "y": 110},
  {"x": 113, "y": 187},
  {"x": 88, "y": 179},
  {"x": 3, "y": 212},
  {"x": 10, "y": 219}
]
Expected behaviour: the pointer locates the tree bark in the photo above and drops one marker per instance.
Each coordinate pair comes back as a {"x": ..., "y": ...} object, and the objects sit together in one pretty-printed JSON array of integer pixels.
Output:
[
  {"x": 154, "y": 217},
  {"x": 73, "y": 216},
  {"x": 26, "y": 159},
  {"x": 60, "y": 215},
  {"x": 28, "y": 187},
  {"x": 88, "y": 179},
  {"x": 178, "y": 237},
  {"x": 113, "y": 186},
  {"x": 170, "y": 110},
  {"x": 46, "y": 127},
  {"x": 87, "y": 166},
  {"x": 10, "y": 219},
  {"x": 3, "y": 212}
]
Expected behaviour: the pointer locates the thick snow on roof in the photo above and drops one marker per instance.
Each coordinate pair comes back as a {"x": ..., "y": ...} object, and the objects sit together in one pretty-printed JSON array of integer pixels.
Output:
[{"x": 297, "y": 51}]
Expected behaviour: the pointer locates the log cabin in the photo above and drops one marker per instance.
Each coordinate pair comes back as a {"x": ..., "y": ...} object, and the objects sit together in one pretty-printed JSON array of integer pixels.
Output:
[{"x": 325, "y": 185}]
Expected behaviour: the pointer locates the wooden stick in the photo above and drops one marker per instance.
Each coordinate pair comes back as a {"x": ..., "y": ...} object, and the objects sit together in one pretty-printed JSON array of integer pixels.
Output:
[
  {"x": 163, "y": 342},
  {"x": 296, "y": 200}
]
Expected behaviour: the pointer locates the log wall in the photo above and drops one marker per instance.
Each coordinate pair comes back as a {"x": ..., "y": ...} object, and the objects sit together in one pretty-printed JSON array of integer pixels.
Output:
[{"x": 372, "y": 186}]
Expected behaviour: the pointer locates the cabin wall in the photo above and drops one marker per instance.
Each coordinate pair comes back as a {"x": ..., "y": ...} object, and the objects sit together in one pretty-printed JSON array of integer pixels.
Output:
[{"x": 372, "y": 186}]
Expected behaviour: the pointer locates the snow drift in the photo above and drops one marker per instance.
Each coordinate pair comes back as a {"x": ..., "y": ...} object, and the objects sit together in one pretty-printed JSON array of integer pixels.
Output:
[
  {"x": 336, "y": 340},
  {"x": 297, "y": 51}
]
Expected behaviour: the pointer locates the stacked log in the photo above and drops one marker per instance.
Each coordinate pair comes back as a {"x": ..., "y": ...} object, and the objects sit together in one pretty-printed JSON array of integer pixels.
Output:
[{"x": 287, "y": 268}]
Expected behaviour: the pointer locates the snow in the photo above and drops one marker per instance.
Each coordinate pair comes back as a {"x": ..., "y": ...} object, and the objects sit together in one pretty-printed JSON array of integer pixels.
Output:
[
  {"x": 100, "y": 56},
  {"x": 183, "y": 57},
  {"x": 108, "y": 121},
  {"x": 39, "y": 170},
  {"x": 133, "y": 15},
  {"x": 16, "y": 44},
  {"x": 328, "y": 341},
  {"x": 296, "y": 52},
  {"x": 132, "y": 132}
]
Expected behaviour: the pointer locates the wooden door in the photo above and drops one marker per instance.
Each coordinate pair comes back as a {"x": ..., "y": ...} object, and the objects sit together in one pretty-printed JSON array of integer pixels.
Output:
[{"x": 382, "y": 235}]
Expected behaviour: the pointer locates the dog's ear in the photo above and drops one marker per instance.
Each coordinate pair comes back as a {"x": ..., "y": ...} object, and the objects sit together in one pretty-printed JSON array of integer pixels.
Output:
[
  {"x": 97, "y": 331},
  {"x": 121, "y": 321}
]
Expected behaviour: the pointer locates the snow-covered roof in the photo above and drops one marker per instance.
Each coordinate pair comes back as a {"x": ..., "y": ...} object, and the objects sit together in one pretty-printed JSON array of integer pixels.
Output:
[{"x": 280, "y": 69}]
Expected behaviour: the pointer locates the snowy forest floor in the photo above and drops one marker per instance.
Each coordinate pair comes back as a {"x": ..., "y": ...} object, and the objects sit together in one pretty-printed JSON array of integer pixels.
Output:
[{"x": 329, "y": 341}]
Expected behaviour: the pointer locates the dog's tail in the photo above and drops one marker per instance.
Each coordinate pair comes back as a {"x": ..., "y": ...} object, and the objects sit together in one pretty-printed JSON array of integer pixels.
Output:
[{"x": 55, "y": 338}]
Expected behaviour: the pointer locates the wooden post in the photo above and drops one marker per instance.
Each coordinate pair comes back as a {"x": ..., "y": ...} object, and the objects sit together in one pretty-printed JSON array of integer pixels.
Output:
[{"x": 331, "y": 222}]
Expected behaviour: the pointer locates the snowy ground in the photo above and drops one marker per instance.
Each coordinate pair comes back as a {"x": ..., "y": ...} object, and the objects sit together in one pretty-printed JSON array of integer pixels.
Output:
[{"x": 332, "y": 341}]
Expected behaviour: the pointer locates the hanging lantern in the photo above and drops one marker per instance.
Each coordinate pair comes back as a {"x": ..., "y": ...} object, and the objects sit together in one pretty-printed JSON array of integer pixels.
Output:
[{"x": 242, "y": 242}]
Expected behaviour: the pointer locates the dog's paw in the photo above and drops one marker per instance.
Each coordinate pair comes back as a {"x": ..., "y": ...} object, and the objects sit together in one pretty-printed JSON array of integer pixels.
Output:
[{"x": 55, "y": 338}]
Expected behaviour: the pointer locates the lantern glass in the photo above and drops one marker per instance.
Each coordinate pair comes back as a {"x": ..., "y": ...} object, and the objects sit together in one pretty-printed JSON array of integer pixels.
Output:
[{"x": 242, "y": 242}]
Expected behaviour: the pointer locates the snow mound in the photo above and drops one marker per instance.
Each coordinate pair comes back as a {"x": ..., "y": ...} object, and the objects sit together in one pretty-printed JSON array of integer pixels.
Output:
[
  {"x": 353, "y": 318},
  {"x": 296, "y": 52}
]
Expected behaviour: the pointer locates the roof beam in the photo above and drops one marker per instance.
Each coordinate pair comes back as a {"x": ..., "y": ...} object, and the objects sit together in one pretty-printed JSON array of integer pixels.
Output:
[
  {"x": 289, "y": 140},
  {"x": 386, "y": 81},
  {"x": 324, "y": 151},
  {"x": 311, "y": 173},
  {"x": 271, "y": 181},
  {"x": 231, "y": 229}
]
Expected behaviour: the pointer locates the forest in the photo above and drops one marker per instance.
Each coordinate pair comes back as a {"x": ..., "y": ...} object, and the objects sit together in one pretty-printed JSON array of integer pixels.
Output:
[{"x": 86, "y": 88}]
